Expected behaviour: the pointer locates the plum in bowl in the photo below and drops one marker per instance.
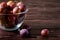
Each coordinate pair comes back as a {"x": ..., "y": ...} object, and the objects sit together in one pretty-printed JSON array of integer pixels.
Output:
[{"x": 11, "y": 18}]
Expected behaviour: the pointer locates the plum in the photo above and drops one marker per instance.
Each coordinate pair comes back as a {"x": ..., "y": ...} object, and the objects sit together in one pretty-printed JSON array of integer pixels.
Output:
[
  {"x": 45, "y": 32},
  {"x": 3, "y": 5},
  {"x": 1, "y": 9},
  {"x": 21, "y": 6},
  {"x": 24, "y": 32},
  {"x": 11, "y": 20},
  {"x": 11, "y": 4},
  {"x": 15, "y": 10}
]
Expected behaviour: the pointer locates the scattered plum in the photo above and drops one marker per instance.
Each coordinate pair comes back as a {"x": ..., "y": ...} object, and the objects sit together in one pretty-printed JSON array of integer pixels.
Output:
[
  {"x": 23, "y": 32},
  {"x": 44, "y": 32}
]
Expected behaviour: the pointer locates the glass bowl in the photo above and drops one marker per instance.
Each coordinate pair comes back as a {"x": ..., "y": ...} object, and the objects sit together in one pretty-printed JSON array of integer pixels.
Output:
[{"x": 10, "y": 22}]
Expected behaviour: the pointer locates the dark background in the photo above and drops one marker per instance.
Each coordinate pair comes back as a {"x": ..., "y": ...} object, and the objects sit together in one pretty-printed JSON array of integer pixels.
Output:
[{"x": 42, "y": 14}]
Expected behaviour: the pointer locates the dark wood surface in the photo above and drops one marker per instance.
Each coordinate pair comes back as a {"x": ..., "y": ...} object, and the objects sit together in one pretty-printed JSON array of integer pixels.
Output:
[{"x": 42, "y": 14}]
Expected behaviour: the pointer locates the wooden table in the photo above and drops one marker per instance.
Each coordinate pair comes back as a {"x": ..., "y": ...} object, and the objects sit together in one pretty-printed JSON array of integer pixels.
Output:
[{"x": 42, "y": 14}]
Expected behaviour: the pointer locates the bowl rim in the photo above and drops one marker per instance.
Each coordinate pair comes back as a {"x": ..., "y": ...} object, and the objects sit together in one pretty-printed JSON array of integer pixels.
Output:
[{"x": 17, "y": 13}]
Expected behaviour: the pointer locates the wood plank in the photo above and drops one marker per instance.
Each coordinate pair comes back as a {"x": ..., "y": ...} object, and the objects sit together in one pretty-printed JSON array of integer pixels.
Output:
[
  {"x": 42, "y": 14},
  {"x": 43, "y": 23}
]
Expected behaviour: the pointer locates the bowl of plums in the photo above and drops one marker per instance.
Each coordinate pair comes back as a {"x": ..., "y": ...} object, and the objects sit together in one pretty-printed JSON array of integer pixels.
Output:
[{"x": 12, "y": 15}]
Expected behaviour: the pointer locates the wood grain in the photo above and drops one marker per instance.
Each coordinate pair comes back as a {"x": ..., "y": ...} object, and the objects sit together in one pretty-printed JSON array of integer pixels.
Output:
[{"x": 42, "y": 14}]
